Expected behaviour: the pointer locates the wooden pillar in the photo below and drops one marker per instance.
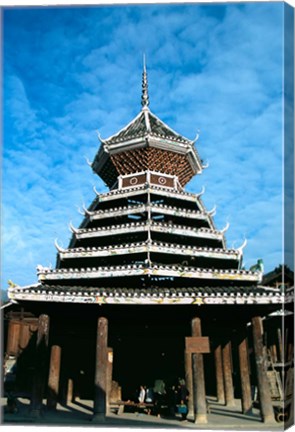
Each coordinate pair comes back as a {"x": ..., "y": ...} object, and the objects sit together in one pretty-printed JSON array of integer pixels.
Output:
[
  {"x": 189, "y": 383},
  {"x": 199, "y": 393},
  {"x": 40, "y": 365},
  {"x": 109, "y": 377},
  {"x": 266, "y": 408},
  {"x": 227, "y": 374},
  {"x": 273, "y": 353},
  {"x": 13, "y": 336},
  {"x": 53, "y": 380},
  {"x": 70, "y": 390},
  {"x": 24, "y": 336},
  {"x": 219, "y": 375},
  {"x": 245, "y": 375},
  {"x": 101, "y": 370},
  {"x": 281, "y": 349}
]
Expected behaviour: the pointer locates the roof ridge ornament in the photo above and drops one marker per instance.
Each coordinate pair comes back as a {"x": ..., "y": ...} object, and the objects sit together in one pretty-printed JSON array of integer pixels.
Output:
[
  {"x": 212, "y": 212},
  {"x": 95, "y": 191},
  {"x": 225, "y": 228},
  {"x": 73, "y": 229},
  {"x": 240, "y": 249},
  {"x": 87, "y": 212},
  {"x": 196, "y": 137},
  {"x": 202, "y": 192},
  {"x": 58, "y": 247},
  {"x": 103, "y": 141},
  {"x": 145, "y": 95},
  {"x": 88, "y": 161}
]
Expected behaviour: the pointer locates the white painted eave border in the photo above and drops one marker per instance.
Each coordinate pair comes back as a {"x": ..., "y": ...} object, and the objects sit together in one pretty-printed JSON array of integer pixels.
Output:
[{"x": 135, "y": 299}]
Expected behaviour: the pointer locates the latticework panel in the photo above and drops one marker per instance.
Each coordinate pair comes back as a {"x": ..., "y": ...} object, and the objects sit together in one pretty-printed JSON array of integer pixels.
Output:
[{"x": 153, "y": 159}]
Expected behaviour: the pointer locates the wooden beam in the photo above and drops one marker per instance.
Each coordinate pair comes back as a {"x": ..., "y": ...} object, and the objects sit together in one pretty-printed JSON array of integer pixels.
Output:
[
  {"x": 280, "y": 341},
  {"x": 189, "y": 383},
  {"x": 198, "y": 378},
  {"x": 13, "y": 338},
  {"x": 110, "y": 356},
  {"x": 40, "y": 366},
  {"x": 220, "y": 392},
  {"x": 70, "y": 390},
  {"x": 25, "y": 335},
  {"x": 101, "y": 370},
  {"x": 227, "y": 374},
  {"x": 267, "y": 412},
  {"x": 53, "y": 379},
  {"x": 245, "y": 375}
]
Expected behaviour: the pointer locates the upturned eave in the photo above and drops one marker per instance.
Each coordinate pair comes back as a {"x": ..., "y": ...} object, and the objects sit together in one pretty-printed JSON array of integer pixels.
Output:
[
  {"x": 139, "y": 270},
  {"x": 145, "y": 188},
  {"x": 162, "y": 209},
  {"x": 144, "y": 247},
  {"x": 82, "y": 233}
]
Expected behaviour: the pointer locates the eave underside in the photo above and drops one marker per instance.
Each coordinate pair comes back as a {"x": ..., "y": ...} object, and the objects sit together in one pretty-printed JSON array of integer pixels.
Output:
[{"x": 154, "y": 159}]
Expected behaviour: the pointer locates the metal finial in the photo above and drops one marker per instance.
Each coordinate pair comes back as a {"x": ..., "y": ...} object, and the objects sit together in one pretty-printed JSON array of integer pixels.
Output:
[{"x": 145, "y": 96}]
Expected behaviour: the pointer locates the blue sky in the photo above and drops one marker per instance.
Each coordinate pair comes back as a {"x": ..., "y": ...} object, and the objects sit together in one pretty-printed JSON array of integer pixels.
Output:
[{"x": 69, "y": 71}]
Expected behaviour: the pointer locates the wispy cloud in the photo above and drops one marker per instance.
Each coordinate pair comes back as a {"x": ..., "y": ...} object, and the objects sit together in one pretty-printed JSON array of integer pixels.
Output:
[{"x": 70, "y": 71}]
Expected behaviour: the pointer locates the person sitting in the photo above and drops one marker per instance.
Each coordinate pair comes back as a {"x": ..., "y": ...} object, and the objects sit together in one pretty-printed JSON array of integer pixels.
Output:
[
  {"x": 182, "y": 409},
  {"x": 141, "y": 396},
  {"x": 149, "y": 398},
  {"x": 149, "y": 395},
  {"x": 159, "y": 395}
]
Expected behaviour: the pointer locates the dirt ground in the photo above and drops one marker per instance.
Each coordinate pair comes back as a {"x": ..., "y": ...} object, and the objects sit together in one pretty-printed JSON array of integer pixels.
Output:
[{"x": 80, "y": 414}]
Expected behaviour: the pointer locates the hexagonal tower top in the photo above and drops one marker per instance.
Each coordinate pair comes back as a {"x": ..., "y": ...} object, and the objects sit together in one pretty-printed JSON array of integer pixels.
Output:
[{"x": 146, "y": 144}]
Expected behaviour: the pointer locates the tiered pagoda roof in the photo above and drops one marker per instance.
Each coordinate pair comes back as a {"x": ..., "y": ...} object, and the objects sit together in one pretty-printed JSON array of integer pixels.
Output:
[
  {"x": 146, "y": 143},
  {"x": 147, "y": 240}
]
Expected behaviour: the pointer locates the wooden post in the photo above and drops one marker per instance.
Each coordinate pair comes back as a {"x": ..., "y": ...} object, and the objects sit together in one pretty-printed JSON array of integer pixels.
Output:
[
  {"x": 53, "y": 379},
  {"x": 219, "y": 375},
  {"x": 245, "y": 376},
  {"x": 273, "y": 352},
  {"x": 109, "y": 377},
  {"x": 227, "y": 375},
  {"x": 101, "y": 370},
  {"x": 116, "y": 393},
  {"x": 189, "y": 383},
  {"x": 24, "y": 336},
  {"x": 40, "y": 365},
  {"x": 13, "y": 336},
  {"x": 199, "y": 393},
  {"x": 281, "y": 350},
  {"x": 266, "y": 408},
  {"x": 70, "y": 390}
]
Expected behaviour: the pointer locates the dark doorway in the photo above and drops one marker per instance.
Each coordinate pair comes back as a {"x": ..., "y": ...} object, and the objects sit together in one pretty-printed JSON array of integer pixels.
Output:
[{"x": 147, "y": 348}]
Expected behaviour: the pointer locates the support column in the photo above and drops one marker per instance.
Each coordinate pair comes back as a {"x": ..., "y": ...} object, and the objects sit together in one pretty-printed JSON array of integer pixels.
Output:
[
  {"x": 70, "y": 390},
  {"x": 227, "y": 375},
  {"x": 266, "y": 408},
  {"x": 109, "y": 377},
  {"x": 24, "y": 336},
  {"x": 219, "y": 375},
  {"x": 189, "y": 383},
  {"x": 13, "y": 336},
  {"x": 40, "y": 365},
  {"x": 198, "y": 378},
  {"x": 53, "y": 380},
  {"x": 101, "y": 370},
  {"x": 245, "y": 375}
]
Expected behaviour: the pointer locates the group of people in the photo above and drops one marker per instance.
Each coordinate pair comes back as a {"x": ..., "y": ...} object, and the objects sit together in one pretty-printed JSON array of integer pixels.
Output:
[{"x": 172, "y": 400}]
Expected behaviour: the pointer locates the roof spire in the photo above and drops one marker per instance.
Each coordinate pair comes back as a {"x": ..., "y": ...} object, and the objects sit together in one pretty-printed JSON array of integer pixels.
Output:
[{"x": 145, "y": 96}]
